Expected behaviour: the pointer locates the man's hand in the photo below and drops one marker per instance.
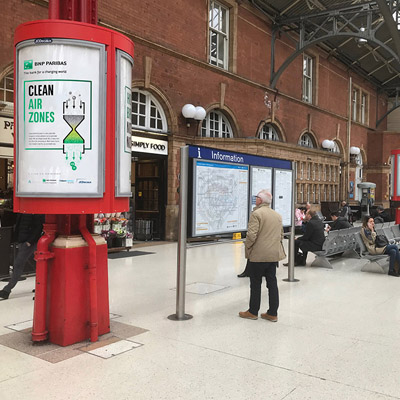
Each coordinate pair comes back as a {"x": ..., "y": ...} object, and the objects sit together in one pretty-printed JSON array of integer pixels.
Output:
[
  {"x": 28, "y": 244},
  {"x": 327, "y": 228}
]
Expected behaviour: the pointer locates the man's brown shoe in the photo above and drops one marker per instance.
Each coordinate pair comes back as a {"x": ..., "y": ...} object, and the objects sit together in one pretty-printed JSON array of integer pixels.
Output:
[
  {"x": 269, "y": 317},
  {"x": 247, "y": 314}
]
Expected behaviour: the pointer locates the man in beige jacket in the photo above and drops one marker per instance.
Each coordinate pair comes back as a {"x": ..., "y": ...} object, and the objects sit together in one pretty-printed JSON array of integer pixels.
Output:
[{"x": 263, "y": 249}]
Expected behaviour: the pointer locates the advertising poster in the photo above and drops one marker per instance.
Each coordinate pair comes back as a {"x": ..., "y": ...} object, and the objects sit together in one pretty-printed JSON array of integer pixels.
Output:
[
  {"x": 61, "y": 118},
  {"x": 123, "y": 125}
]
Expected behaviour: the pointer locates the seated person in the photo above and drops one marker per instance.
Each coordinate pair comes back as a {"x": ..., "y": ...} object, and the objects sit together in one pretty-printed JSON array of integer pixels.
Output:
[
  {"x": 304, "y": 223},
  {"x": 368, "y": 236},
  {"x": 298, "y": 219},
  {"x": 382, "y": 216},
  {"x": 313, "y": 238},
  {"x": 338, "y": 222}
]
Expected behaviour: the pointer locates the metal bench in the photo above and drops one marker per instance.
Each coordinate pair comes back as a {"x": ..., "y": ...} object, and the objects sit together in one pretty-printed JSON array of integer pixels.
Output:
[
  {"x": 396, "y": 232},
  {"x": 337, "y": 242}
]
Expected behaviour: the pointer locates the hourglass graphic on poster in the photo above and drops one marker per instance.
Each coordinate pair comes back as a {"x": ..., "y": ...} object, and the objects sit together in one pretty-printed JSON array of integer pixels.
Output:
[{"x": 61, "y": 142}]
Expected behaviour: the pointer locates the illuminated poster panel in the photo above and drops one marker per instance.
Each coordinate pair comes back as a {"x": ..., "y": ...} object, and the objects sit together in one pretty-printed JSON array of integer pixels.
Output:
[
  {"x": 60, "y": 118},
  {"x": 220, "y": 197},
  {"x": 283, "y": 186},
  {"x": 261, "y": 178},
  {"x": 123, "y": 134}
]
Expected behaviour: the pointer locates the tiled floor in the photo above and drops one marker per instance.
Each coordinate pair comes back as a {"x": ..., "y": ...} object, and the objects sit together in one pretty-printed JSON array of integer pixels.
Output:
[{"x": 337, "y": 336}]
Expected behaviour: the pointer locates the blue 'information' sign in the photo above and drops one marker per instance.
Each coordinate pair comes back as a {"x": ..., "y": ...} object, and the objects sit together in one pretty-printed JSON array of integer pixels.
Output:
[{"x": 207, "y": 153}]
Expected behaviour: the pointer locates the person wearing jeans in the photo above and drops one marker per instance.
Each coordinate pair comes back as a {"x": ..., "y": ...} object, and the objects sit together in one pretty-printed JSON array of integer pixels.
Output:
[
  {"x": 28, "y": 230},
  {"x": 368, "y": 235},
  {"x": 263, "y": 249},
  {"x": 393, "y": 251}
]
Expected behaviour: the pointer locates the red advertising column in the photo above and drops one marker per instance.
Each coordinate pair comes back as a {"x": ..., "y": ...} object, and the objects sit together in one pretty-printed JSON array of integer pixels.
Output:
[
  {"x": 395, "y": 182},
  {"x": 72, "y": 158}
]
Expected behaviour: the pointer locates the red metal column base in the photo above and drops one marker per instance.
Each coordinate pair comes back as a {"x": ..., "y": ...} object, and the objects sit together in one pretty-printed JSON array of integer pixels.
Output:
[
  {"x": 398, "y": 215},
  {"x": 42, "y": 255}
]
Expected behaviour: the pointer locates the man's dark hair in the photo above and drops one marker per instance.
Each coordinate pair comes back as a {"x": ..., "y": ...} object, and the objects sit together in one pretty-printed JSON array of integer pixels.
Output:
[{"x": 334, "y": 214}]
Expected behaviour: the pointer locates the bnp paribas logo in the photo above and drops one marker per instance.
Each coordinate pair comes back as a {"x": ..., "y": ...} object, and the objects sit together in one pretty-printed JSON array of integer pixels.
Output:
[{"x": 28, "y": 64}]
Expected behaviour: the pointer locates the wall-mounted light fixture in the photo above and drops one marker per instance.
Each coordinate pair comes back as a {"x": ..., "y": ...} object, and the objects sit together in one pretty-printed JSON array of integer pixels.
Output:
[
  {"x": 189, "y": 111},
  {"x": 354, "y": 150},
  {"x": 328, "y": 144}
]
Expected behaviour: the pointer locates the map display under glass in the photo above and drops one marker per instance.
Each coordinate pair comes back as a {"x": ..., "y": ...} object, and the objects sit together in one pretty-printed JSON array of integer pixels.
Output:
[{"x": 220, "y": 198}]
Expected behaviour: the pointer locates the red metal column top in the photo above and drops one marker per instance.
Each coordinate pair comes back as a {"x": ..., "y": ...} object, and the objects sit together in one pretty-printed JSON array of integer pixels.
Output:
[{"x": 74, "y": 10}]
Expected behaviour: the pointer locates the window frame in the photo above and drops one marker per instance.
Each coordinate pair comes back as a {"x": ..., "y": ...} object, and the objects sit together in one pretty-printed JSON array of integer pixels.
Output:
[
  {"x": 4, "y": 90},
  {"x": 303, "y": 143},
  {"x": 360, "y": 105},
  {"x": 148, "y": 106},
  {"x": 272, "y": 131},
  {"x": 307, "y": 78},
  {"x": 363, "y": 108},
  {"x": 222, "y": 119},
  {"x": 213, "y": 4}
]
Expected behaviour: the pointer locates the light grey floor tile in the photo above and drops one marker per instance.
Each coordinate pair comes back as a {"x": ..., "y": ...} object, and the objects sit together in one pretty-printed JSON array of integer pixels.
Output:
[{"x": 336, "y": 338}]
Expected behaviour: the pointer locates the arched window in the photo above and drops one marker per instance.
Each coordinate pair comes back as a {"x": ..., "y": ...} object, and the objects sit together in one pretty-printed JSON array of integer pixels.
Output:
[
  {"x": 7, "y": 88},
  {"x": 306, "y": 140},
  {"x": 216, "y": 125},
  {"x": 268, "y": 132},
  {"x": 335, "y": 148},
  {"x": 147, "y": 113}
]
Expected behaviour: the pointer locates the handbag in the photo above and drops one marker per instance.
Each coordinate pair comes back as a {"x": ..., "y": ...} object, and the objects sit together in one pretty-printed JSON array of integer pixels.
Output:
[{"x": 381, "y": 241}]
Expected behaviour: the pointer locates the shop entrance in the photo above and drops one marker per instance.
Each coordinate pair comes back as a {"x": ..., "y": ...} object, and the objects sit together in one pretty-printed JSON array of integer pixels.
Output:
[{"x": 149, "y": 187}]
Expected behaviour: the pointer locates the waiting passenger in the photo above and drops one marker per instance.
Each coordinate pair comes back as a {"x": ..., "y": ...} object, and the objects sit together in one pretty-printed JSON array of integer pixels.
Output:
[
  {"x": 368, "y": 235},
  {"x": 346, "y": 212},
  {"x": 312, "y": 240},
  {"x": 28, "y": 230},
  {"x": 298, "y": 219},
  {"x": 338, "y": 222},
  {"x": 382, "y": 215},
  {"x": 305, "y": 220}
]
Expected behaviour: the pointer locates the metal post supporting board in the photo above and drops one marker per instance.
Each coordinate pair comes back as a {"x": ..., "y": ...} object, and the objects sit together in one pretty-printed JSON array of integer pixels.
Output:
[
  {"x": 181, "y": 265},
  {"x": 290, "y": 277}
]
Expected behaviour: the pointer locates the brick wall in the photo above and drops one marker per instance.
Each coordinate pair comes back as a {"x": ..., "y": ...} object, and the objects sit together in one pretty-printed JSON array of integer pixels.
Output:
[{"x": 174, "y": 36}]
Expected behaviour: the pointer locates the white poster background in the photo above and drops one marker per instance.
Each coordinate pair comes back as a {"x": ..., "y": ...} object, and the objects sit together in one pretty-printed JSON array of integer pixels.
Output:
[
  {"x": 6, "y": 130},
  {"x": 261, "y": 178},
  {"x": 283, "y": 195},
  {"x": 60, "y": 82},
  {"x": 123, "y": 126},
  {"x": 220, "y": 198}
]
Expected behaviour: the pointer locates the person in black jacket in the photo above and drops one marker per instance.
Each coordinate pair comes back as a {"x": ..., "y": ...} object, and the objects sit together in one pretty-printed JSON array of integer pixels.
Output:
[
  {"x": 346, "y": 212},
  {"x": 338, "y": 222},
  {"x": 382, "y": 213},
  {"x": 28, "y": 230},
  {"x": 313, "y": 237}
]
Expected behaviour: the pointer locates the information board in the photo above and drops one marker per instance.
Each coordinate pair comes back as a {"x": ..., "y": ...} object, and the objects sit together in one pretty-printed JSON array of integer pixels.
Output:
[
  {"x": 220, "y": 197},
  {"x": 282, "y": 195},
  {"x": 123, "y": 123},
  {"x": 60, "y": 118},
  {"x": 260, "y": 178}
]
